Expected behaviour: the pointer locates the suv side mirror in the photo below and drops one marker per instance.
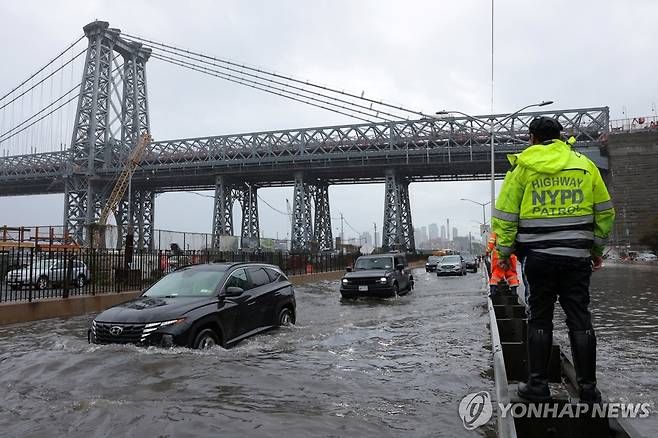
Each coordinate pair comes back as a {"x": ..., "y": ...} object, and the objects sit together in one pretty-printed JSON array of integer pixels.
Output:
[
  {"x": 399, "y": 267},
  {"x": 348, "y": 269},
  {"x": 234, "y": 291}
]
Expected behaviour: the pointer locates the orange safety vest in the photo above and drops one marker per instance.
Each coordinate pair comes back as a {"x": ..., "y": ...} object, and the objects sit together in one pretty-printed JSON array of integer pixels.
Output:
[{"x": 498, "y": 274}]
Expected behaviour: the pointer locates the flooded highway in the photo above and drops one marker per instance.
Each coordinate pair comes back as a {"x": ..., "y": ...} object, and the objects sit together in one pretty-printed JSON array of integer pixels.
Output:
[{"x": 396, "y": 367}]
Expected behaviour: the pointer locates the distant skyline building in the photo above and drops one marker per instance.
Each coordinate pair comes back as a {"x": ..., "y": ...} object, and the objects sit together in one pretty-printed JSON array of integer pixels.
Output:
[
  {"x": 443, "y": 232},
  {"x": 455, "y": 233},
  {"x": 433, "y": 232},
  {"x": 366, "y": 238}
]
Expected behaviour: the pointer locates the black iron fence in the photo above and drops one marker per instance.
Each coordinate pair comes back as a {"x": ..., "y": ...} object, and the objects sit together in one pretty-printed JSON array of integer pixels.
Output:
[{"x": 28, "y": 274}]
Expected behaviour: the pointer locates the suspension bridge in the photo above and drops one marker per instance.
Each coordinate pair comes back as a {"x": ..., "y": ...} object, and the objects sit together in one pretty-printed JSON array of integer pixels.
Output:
[{"x": 60, "y": 133}]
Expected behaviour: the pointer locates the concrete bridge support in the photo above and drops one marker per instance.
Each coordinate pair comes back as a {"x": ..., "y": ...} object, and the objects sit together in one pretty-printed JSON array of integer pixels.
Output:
[{"x": 398, "y": 230}]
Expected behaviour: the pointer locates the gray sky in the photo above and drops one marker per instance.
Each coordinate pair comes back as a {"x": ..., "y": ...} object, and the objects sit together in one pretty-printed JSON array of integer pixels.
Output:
[{"x": 426, "y": 55}]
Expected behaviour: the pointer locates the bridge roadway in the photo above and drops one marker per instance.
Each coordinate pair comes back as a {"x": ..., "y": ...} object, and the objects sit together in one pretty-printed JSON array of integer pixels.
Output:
[{"x": 453, "y": 148}]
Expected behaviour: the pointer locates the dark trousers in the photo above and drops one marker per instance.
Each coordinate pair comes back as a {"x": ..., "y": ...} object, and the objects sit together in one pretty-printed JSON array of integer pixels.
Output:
[{"x": 565, "y": 278}]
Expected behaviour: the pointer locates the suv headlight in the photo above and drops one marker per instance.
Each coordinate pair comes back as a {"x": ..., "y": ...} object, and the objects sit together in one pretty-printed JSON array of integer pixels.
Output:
[
  {"x": 345, "y": 281},
  {"x": 383, "y": 280}
]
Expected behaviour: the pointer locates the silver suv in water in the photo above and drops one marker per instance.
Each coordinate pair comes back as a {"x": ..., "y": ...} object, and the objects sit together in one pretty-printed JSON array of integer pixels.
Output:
[{"x": 44, "y": 272}]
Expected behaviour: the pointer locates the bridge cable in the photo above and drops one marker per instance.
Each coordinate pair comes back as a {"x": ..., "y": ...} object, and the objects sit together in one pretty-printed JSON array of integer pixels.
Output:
[
  {"x": 280, "y": 76},
  {"x": 244, "y": 81},
  {"x": 241, "y": 82},
  {"x": 41, "y": 118},
  {"x": 40, "y": 111},
  {"x": 288, "y": 85},
  {"x": 42, "y": 80},
  {"x": 44, "y": 67}
]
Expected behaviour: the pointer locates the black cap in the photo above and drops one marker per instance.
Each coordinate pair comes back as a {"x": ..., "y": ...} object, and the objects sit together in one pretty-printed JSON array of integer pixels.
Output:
[{"x": 545, "y": 125}]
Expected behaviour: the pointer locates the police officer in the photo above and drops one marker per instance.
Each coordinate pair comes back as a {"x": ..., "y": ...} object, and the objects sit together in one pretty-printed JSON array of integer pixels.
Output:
[{"x": 555, "y": 212}]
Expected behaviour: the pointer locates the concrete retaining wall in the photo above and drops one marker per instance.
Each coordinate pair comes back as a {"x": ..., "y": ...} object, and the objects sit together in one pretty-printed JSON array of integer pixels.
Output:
[{"x": 11, "y": 313}]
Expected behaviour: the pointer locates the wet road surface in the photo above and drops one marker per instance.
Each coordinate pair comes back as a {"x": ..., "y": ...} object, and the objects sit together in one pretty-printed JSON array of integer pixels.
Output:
[{"x": 395, "y": 367}]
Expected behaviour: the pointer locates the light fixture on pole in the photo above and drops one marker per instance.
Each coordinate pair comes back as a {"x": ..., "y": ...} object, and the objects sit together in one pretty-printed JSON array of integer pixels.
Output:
[
  {"x": 492, "y": 125},
  {"x": 483, "y": 204}
]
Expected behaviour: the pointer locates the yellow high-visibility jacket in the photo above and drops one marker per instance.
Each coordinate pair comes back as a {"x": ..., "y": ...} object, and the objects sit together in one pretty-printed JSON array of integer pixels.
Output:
[{"x": 553, "y": 201}]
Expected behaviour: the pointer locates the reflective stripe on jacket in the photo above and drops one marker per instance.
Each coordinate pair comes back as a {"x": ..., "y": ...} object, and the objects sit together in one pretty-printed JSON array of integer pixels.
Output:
[{"x": 553, "y": 201}]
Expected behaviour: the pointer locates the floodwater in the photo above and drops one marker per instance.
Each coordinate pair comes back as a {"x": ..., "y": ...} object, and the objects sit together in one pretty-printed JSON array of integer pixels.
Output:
[{"x": 370, "y": 368}]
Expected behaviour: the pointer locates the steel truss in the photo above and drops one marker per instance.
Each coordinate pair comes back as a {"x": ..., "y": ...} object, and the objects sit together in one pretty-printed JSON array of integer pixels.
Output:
[
  {"x": 398, "y": 230},
  {"x": 322, "y": 225},
  {"x": 226, "y": 193},
  {"x": 449, "y": 139},
  {"x": 308, "y": 234}
]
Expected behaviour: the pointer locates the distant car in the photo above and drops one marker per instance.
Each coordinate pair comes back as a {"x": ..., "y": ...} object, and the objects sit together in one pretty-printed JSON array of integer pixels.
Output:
[
  {"x": 646, "y": 257},
  {"x": 201, "y": 306},
  {"x": 471, "y": 262},
  {"x": 430, "y": 264},
  {"x": 451, "y": 265},
  {"x": 44, "y": 273},
  {"x": 382, "y": 275}
]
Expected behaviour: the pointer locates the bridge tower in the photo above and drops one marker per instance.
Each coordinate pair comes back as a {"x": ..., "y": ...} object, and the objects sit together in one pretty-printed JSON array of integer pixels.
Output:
[
  {"x": 398, "y": 230},
  {"x": 93, "y": 146}
]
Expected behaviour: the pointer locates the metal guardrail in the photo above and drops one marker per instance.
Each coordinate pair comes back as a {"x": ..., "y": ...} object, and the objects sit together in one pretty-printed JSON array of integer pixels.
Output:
[{"x": 506, "y": 427}]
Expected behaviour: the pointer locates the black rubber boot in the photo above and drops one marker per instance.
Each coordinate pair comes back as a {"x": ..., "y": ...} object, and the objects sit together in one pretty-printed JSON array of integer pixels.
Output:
[
  {"x": 539, "y": 354},
  {"x": 513, "y": 290},
  {"x": 583, "y": 351},
  {"x": 493, "y": 290}
]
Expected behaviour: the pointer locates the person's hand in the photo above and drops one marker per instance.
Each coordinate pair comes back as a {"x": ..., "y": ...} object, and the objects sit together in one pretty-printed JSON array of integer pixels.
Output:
[
  {"x": 597, "y": 263},
  {"x": 503, "y": 264}
]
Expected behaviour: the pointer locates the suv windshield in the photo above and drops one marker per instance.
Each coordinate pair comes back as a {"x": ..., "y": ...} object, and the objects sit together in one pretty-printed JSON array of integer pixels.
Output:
[
  {"x": 468, "y": 257},
  {"x": 374, "y": 263},
  {"x": 433, "y": 259},
  {"x": 451, "y": 259},
  {"x": 187, "y": 283}
]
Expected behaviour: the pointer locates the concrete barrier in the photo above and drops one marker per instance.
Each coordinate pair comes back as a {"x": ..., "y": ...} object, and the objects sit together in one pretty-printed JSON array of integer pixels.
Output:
[{"x": 11, "y": 313}]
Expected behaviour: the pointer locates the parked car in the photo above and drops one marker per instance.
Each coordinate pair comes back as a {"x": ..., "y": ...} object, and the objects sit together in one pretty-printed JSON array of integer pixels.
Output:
[
  {"x": 201, "y": 306},
  {"x": 430, "y": 264},
  {"x": 646, "y": 257},
  {"x": 44, "y": 273},
  {"x": 451, "y": 265},
  {"x": 382, "y": 275},
  {"x": 471, "y": 262}
]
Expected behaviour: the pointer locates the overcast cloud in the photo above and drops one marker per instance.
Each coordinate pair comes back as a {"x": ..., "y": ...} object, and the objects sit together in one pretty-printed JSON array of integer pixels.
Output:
[{"x": 426, "y": 55}]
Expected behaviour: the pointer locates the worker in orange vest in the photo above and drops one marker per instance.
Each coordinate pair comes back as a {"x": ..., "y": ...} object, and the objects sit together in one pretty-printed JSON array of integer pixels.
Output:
[{"x": 501, "y": 271}]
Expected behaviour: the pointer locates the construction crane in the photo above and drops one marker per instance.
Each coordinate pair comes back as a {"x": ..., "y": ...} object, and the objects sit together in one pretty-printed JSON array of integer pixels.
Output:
[{"x": 121, "y": 186}]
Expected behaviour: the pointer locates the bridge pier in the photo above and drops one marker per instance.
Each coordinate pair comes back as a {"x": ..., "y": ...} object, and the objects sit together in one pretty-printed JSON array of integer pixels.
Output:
[
  {"x": 322, "y": 226},
  {"x": 307, "y": 234},
  {"x": 398, "y": 230},
  {"x": 302, "y": 225},
  {"x": 226, "y": 193}
]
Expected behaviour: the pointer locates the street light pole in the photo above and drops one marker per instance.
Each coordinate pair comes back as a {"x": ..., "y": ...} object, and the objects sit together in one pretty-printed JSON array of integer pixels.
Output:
[{"x": 492, "y": 125}]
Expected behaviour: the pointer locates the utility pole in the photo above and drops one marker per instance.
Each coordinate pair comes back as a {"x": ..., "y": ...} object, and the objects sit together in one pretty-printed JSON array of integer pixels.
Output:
[{"x": 374, "y": 224}]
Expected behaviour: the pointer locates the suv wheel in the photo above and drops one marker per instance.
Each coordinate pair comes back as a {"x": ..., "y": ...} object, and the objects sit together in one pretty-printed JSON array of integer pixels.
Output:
[
  {"x": 286, "y": 318},
  {"x": 42, "y": 282},
  {"x": 205, "y": 340}
]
